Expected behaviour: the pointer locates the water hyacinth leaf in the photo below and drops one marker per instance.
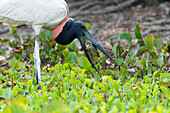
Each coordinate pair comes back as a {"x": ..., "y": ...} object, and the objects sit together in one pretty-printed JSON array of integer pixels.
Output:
[
  {"x": 15, "y": 35},
  {"x": 96, "y": 89},
  {"x": 153, "y": 53},
  {"x": 155, "y": 91},
  {"x": 127, "y": 37},
  {"x": 3, "y": 52},
  {"x": 83, "y": 62},
  {"x": 72, "y": 95},
  {"x": 61, "y": 47},
  {"x": 45, "y": 34},
  {"x": 160, "y": 61},
  {"x": 119, "y": 61},
  {"x": 137, "y": 32},
  {"x": 52, "y": 51},
  {"x": 97, "y": 77},
  {"x": 73, "y": 45},
  {"x": 17, "y": 106},
  {"x": 29, "y": 82},
  {"x": 141, "y": 43},
  {"x": 47, "y": 45},
  {"x": 114, "y": 49},
  {"x": 123, "y": 55},
  {"x": 125, "y": 88},
  {"x": 159, "y": 109},
  {"x": 63, "y": 53},
  {"x": 149, "y": 41},
  {"x": 55, "y": 106},
  {"x": 8, "y": 93},
  {"x": 7, "y": 53},
  {"x": 146, "y": 60},
  {"x": 87, "y": 25},
  {"x": 156, "y": 72},
  {"x": 72, "y": 57},
  {"x": 73, "y": 76},
  {"x": 121, "y": 50},
  {"x": 12, "y": 62},
  {"x": 115, "y": 86},
  {"x": 131, "y": 62},
  {"x": 20, "y": 65},
  {"x": 17, "y": 55},
  {"x": 118, "y": 36},
  {"x": 134, "y": 51},
  {"x": 163, "y": 75},
  {"x": 103, "y": 60},
  {"x": 164, "y": 90},
  {"x": 103, "y": 110},
  {"x": 158, "y": 43}
]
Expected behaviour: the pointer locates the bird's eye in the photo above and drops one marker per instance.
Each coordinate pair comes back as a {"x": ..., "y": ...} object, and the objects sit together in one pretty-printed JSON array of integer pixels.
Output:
[{"x": 82, "y": 26}]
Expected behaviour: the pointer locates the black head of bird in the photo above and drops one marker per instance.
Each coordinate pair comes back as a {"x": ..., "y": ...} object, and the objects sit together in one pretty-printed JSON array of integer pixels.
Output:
[{"x": 73, "y": 30}]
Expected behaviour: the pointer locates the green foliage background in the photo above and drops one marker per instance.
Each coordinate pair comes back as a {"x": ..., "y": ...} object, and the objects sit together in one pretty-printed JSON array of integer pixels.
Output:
[{"x": 69, "y": 84}]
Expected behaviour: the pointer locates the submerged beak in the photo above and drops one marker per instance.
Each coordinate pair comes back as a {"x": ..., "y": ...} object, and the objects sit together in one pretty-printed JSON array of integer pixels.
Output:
[{"x": 94, "y": 42}]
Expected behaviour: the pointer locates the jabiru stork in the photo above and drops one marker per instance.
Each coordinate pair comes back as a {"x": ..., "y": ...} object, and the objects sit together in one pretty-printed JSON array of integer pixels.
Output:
[{"x": 51, "y": 15}]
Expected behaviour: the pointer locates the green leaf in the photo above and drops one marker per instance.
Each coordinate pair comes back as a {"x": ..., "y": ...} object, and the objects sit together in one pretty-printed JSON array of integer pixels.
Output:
[
  {"x": 52, "y": 51},
  {"x": 164, "y": 90},
  {"x": 73, "y": 45},
  {"x": 72, "y": 95},
  {"x": 97, "y": 77},
  {"x": 47, "y": 45},
  {"x": 134, "y": 51},
  {"x": 158, "y": 43},
  {"x": 149, "y": 41},
  {"x": 153, "y": 53},
  {"x": 130, "y": 61},
  {"x": 63, "y": 53},
  {"x": 156, "y": 72},
  {"x": 72, "y": 57},
  {"x": 87, "y": 25},
  {"x": 125, "y": 88},
  {"x": 127, "y": 37},
  {"x": 115, "y": 86},
  {"x": 160, "y": 61},
  {"x": 137, "y": 32},
  {"x": 119, "y": 61},
  {"x": 123, "y": 71},
  {"x": 21, "y": 65},
  {"x": 159, "y": 109},
  {"x": 8, "y": 93},
  {"x": 118, "y": 36},
  {"x": 17, "y": 56},
  {"x": 155, "y": 91},
  {"x": 55, "y": 107},
  {"x": 73, "y": 77},
  {"x": 61, "y": 47},
  {"x": 12, "y": 62},
  {"x": 114, "y": 49},
  {"x": 45, "y": 34},
  {"x": 15, "y": 35},
  {"x": 83, "y": 62}
]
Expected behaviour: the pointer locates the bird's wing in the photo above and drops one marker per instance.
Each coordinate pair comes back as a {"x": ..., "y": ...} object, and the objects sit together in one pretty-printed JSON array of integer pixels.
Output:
[{"x": 33, "y": 12}]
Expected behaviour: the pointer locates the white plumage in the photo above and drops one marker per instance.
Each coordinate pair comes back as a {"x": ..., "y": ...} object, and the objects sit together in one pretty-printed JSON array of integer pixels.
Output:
[
  {"x": 47, "y": 13},
  {"x": 36, "y": 13}
]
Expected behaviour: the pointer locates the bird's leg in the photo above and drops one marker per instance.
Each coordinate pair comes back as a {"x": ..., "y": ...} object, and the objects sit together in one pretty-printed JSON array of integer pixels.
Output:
[
  {"x": 37, "y": 61},
  {"x": 36, "y": 56}
]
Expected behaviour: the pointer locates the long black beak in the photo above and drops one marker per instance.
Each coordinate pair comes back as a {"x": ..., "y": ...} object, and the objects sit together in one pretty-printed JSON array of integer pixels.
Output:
[{"x": 95, "y": 43}]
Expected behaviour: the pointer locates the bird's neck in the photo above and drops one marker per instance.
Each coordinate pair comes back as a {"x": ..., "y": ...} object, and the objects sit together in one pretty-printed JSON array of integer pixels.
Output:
[{"x": 59, "y": 28}]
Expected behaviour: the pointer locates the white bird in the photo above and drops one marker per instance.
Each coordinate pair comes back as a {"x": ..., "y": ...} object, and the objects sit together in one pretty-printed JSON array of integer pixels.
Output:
[{"x": 48, "y": 14}]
